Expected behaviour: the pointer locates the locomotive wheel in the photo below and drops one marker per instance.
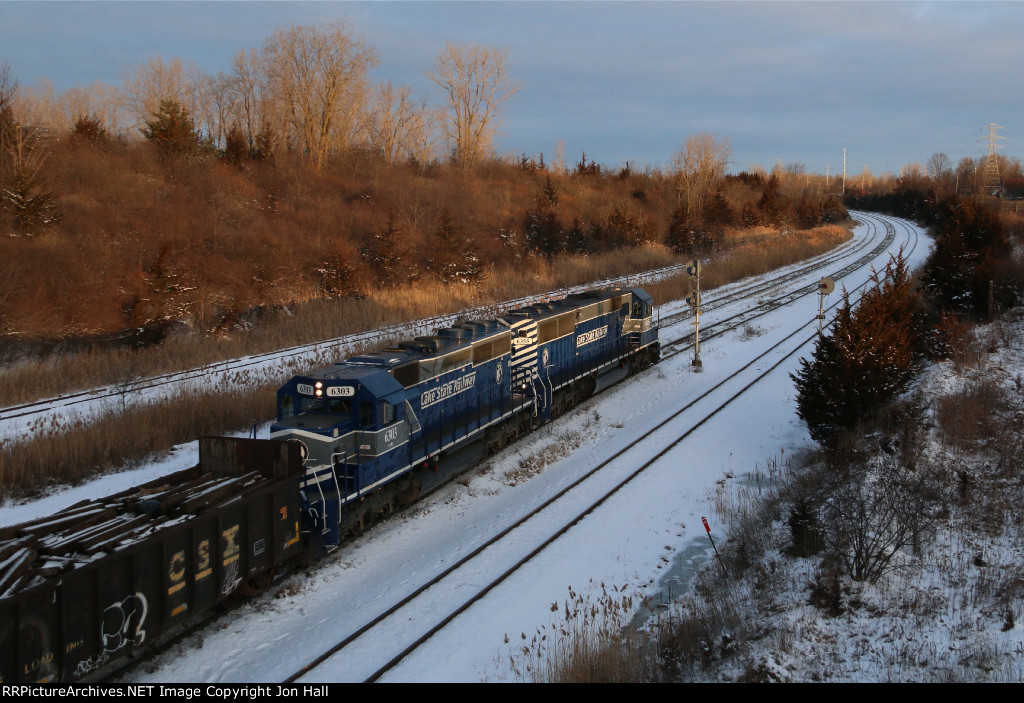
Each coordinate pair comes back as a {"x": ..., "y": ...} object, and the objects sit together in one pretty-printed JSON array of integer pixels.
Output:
[{"x": 409, "y": 492}]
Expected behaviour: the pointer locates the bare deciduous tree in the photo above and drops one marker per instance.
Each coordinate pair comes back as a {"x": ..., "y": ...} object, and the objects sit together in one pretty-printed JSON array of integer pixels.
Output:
[
  {"x": 149, "y": 85},
  {"x": 874, "y": 518},
  {"x": 396, "y": 125},
  {"x": 318, "y": 77},
  {"x": 475, "y": 83},
  {"x": 8, "y": 91},
  {"x": 940, "y": 171},
  {"x": 249, "y": 87},
  {"x": 699, "y": 166}
]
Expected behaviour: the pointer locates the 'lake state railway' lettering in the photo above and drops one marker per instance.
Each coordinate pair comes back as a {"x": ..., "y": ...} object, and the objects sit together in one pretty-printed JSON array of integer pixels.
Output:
[
  {"x": 591, "y": 336},
  {"x": 447, "y": 390}
]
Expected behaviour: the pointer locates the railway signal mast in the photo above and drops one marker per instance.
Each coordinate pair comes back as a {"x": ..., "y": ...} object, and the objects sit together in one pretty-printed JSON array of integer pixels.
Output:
[
  {"x": 825, "y": 286},
  {"x": 693, "y": 300}
]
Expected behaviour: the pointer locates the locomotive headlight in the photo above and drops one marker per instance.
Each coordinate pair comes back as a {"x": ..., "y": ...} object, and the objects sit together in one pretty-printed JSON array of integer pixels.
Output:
[
  {"x": 319, "y": 392},
  {"x": 318, "y": 385}
]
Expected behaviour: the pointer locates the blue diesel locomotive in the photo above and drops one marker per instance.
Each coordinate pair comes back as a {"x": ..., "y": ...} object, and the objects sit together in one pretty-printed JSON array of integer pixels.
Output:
[{"x": 380, "y": 429}]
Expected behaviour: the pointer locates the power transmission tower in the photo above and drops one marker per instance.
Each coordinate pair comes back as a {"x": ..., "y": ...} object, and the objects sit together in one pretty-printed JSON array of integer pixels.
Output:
[
  {"x": 992, "y": 185},
  {"x": 844, "y": 170}
]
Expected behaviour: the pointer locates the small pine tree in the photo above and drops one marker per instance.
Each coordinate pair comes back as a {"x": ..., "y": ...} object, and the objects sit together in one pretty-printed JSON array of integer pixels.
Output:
[
  {"x": 236, "y": 151},
  {"x": 88, "y": 130},
  {"x": 867, "y": 360},
  {"x": 543, "y": 229},
  {"x": 337, "y": 278},
  {"x": 453, "y": 257},
  {"x": 577, "y": 241},
  {"x": 770, "y": 205},
  {"x": 172, "y": 129},
  {"x": 265, "y": 144},
  {"x": 680, "y": 234},
  {"x": 33, "y": 206},
  {"x": 388, "y": 256}
]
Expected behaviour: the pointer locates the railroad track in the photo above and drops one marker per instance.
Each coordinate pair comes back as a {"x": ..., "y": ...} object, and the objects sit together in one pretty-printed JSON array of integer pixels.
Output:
[
  {"x": 456, "y": 589},
  {"x": 546, "y": 523},
  {"x": 17, "y": 420},
  {"x": 767, "y": 284}
]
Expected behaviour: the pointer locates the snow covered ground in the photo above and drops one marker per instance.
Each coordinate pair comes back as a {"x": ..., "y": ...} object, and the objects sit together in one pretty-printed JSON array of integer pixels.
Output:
[
  {"x": 951, "y": 613},
  {"x": 646, "y": 538}
]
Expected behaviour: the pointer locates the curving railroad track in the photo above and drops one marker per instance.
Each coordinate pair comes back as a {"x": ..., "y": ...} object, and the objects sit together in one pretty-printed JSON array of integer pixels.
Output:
[{"x": 370, "y": 636}]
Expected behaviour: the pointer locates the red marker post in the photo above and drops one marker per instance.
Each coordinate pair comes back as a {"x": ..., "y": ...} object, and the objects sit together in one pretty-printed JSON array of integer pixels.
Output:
[{"x": 707, "y": 528}]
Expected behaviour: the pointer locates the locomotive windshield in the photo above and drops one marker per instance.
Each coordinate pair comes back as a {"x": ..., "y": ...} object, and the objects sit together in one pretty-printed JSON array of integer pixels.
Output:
[{"x": 340, "y": 407}]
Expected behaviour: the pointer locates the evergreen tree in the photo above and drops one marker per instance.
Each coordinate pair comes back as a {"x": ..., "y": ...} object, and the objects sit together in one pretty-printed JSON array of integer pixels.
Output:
[
  {"x": 236, "y": 150},
  {"x": 543, "y": 229},
  {"x": 970, "y": 243},
  {"x": 770, "y": 205},
  {"x": 32, "y": 205},
  {"x": 680, "y": 235},
  {"x": 172, "y": 129},
  {"x": 24, "y": 189},
  {"x": 89, "y": 130},
  {"x": 577, "y": 241},
  {"x": 869, "y": 357},
  {"x": 266, "y": 142},
  {"x": 455, "y": 258}
]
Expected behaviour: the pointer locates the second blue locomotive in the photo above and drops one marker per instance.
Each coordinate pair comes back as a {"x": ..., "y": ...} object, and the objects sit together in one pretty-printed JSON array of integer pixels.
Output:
[{"x": 380, "y": 429}]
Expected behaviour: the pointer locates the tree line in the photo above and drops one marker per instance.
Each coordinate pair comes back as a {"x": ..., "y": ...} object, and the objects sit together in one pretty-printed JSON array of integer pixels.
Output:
[
  {"x": 187, "y": 200},
  {"x": 306, "y": 89}
]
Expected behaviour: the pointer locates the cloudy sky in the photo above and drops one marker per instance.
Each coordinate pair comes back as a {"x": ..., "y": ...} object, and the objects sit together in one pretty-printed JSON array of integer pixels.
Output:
[{"x": 781, "y": 81}]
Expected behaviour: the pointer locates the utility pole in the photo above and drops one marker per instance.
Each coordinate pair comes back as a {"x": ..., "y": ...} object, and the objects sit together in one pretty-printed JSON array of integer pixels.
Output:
[{"x": 844, "y": 170}]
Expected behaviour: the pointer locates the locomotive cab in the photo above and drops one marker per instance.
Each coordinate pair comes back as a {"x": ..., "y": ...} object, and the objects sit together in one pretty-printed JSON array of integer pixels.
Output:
[
  {"x": 348, "y": 419},
  {"x": 639, "y": 325}
]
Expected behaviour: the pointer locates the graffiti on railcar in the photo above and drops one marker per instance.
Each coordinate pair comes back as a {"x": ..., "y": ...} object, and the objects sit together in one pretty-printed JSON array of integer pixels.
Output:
[
  {"x": 229, "y": 560},
  {"x": 122, "y": 623}
]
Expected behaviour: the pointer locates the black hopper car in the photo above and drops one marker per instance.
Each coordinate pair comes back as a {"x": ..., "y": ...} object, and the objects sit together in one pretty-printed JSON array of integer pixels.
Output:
[{"x": 84, "y": 588}]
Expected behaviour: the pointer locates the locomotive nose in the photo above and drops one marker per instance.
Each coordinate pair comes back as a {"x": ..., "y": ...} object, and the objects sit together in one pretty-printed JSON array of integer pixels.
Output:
[{"x": 303, "y": 449}]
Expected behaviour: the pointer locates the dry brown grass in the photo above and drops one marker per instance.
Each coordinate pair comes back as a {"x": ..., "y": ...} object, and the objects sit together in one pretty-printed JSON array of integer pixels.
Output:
[
  {"x": 588, "y": 641},
  {"x": 70, "y": 453},
  {"x": 314, "y": 321},
  {"x": 971, "y": 418}
]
